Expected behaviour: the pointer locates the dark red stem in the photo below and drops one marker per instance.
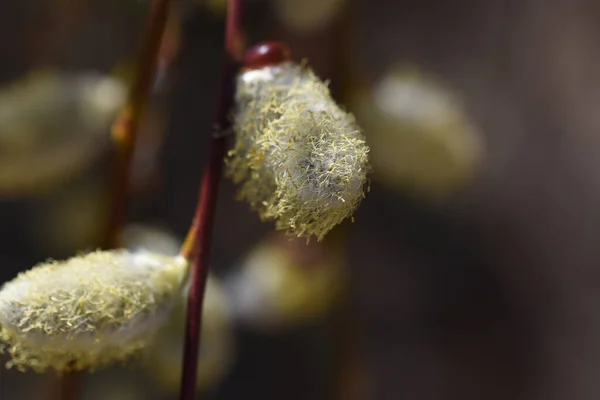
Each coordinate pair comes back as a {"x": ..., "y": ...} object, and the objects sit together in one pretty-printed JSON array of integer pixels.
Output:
[{"x": 199, "y": 243}]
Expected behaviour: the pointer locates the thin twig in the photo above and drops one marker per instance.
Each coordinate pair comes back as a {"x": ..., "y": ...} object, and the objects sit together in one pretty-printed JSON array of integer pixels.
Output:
[
  {"x": 125, "y": 129},
  {"x": 198, "y": 243}
]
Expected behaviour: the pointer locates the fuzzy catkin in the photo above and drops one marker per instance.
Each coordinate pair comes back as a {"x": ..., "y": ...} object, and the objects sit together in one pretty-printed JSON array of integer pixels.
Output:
[
  {"x": 422, "y": 141},
  {"x": 298, "y": 158},
  {"x": 87, "y": 311},
  {"x": 274, "y": 291}
]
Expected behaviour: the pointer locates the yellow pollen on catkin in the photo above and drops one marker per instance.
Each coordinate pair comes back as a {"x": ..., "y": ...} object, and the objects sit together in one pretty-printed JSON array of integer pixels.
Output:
[
  {"x": 87, "y": 311},
  {"x": 298, "y": 158}
]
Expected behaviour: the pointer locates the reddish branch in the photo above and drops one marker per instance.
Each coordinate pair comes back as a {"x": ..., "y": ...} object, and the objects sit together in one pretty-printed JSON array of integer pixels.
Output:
[{"x": 198, "y": 242}]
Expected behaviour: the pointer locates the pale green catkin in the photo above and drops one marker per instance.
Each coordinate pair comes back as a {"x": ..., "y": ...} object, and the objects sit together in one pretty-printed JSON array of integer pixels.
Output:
[
  {"x": 87, "y": 311},
  {"x": 298, "y": 158}
]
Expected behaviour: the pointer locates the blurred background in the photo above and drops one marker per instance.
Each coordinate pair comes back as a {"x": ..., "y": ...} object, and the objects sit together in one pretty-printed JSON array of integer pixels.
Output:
[{"x": 471, "y": 270}]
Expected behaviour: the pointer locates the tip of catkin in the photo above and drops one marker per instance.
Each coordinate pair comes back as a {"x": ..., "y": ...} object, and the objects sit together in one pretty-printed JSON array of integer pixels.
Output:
[
  {"x": 299, "y": 159},
  {"x": 87, "y": 311}
]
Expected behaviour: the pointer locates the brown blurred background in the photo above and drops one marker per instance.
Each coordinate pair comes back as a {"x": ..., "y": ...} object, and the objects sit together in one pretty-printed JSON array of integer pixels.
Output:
[{"x": 493, "y": 293}]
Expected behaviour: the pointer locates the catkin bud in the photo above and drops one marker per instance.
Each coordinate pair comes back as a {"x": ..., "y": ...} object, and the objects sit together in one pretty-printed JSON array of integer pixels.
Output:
[
  {"x": 52, "y": 127},
  {"x": 298, "y": 157},
  {"x": 89, "y": 310},
  {"x": 422, "y": 141}
]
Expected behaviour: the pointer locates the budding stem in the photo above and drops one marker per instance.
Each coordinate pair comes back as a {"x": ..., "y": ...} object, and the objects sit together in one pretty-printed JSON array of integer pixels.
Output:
[
  {"x": 125, "y": 128},
  {"x": 198, "y": 241},
  {"x": 124, "y": 132}
]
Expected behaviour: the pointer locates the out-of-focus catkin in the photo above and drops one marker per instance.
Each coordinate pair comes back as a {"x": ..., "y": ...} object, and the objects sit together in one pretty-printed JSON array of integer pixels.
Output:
[
  {"x": 87, "y": 311},
  {"x": 422, "y": 141},
  {"x": 275, "y": 290},
  {"x": 298, "y": 157}
]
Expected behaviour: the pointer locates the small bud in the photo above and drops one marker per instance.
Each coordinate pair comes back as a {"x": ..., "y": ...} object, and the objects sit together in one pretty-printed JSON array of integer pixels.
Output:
[
  {"x": 265, "y": 54},
  {"x": 298, "y": 157},
  {"x": 89, "y": 310}
]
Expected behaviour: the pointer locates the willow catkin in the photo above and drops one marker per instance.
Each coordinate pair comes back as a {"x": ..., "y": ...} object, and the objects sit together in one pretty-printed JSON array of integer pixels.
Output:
[
  {"x": 422, "y": 141},
  {"x": 298, "y": 157},
  {"x": 87, "y": 311},
  {"x": 274, "y": 291},
  {"x": 52, "y": 127}
]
